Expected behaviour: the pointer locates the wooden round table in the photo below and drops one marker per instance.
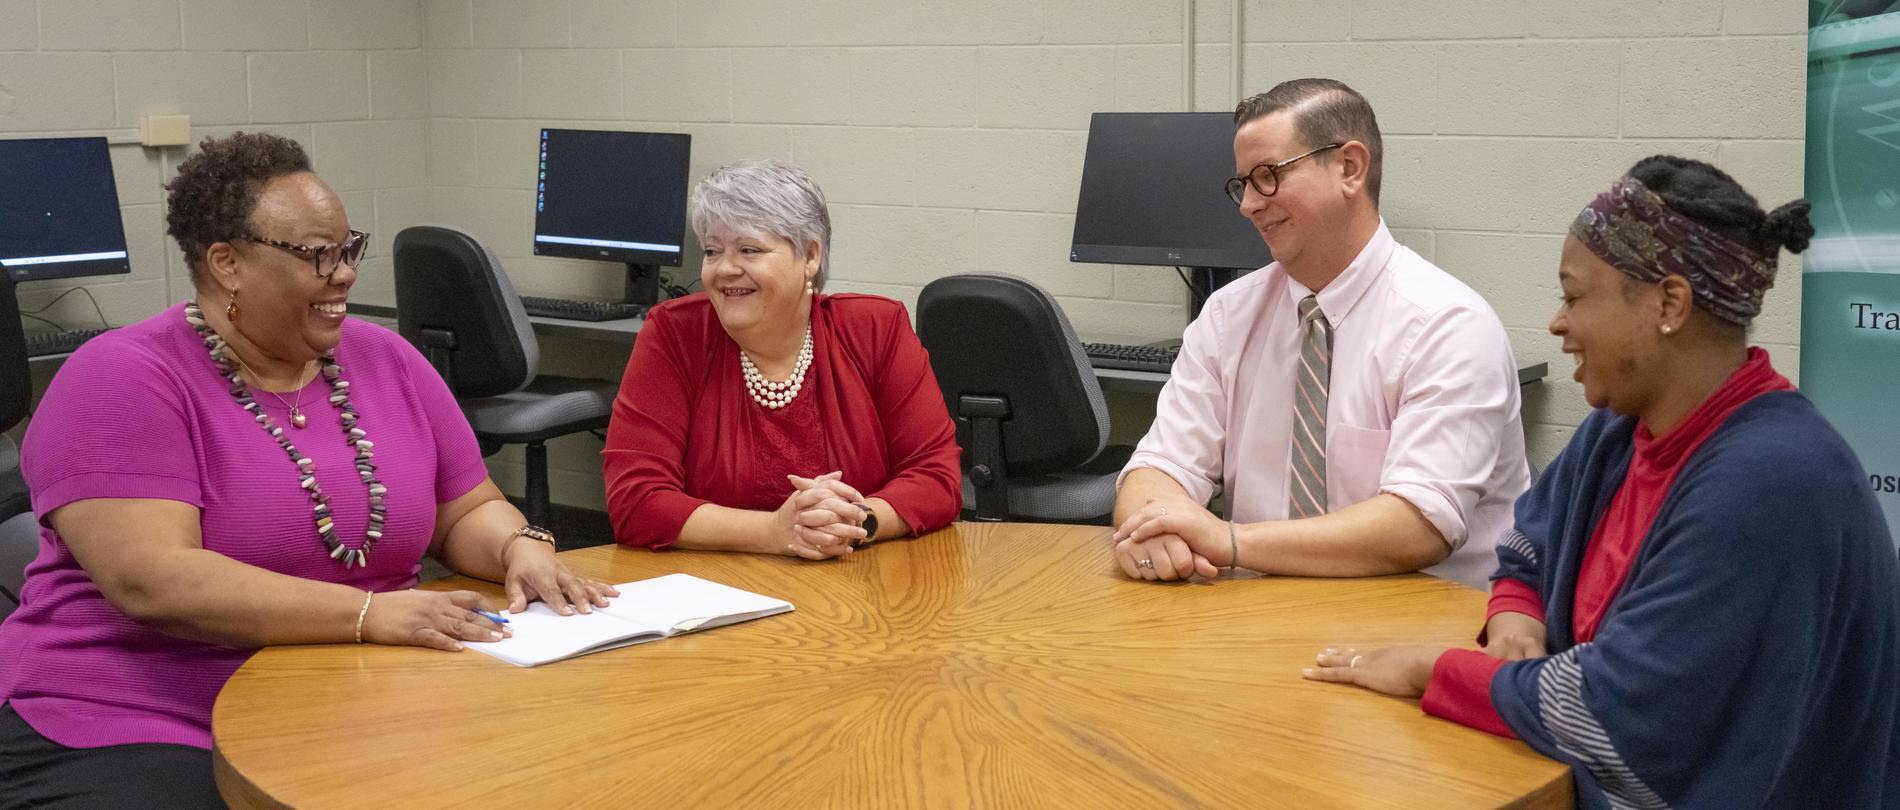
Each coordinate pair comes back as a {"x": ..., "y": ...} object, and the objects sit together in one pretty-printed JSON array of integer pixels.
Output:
[{"x": 992, "y": 664}]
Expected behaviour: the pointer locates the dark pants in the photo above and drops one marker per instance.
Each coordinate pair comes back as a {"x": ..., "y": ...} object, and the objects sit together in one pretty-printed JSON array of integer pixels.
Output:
[{"x": 39, "y": 773}]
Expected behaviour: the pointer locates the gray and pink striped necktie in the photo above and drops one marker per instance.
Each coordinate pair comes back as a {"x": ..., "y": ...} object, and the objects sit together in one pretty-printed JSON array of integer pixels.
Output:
[{"x": 1308, "y": 487}]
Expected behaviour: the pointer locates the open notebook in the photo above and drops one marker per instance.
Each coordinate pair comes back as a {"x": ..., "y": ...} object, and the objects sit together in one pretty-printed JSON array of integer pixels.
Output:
[{"x": 648, "y": 610}]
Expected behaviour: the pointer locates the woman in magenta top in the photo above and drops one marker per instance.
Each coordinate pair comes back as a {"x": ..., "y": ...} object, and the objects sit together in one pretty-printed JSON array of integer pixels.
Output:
[
  {"x": 245, "y": 468},
  {"x": 764, "y": 416}
]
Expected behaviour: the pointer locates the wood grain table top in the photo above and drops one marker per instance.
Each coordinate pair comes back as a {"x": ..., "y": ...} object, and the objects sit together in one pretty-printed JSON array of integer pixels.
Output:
[{"x": 984, "y": 664}]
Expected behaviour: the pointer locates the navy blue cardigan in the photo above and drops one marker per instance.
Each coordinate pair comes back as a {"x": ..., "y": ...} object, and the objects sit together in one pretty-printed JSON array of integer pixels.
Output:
[{"x": 1752, "y": 657}]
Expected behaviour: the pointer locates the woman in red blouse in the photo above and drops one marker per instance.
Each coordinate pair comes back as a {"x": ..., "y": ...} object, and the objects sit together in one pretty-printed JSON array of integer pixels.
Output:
[{"x": 764, "y": 416}]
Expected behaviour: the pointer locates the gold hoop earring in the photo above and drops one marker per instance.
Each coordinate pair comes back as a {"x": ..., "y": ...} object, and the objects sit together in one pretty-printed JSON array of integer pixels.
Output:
[{"x": 231, "y": 311}]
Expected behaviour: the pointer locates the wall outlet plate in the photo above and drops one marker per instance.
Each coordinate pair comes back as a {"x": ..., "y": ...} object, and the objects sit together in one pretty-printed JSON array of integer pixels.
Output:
[{"x": 165, "y": 130}]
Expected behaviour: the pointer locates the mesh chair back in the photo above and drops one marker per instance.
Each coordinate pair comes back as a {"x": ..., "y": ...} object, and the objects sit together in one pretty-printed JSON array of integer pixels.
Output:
[
  {"x": 447, "y": 281},
  {"x": 16, "y": 383},
  {"x": 1000, "y": 335}
]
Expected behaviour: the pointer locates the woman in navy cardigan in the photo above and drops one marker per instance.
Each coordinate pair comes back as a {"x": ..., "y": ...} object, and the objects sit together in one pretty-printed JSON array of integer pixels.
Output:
[{"x": 1700, "y": 605}]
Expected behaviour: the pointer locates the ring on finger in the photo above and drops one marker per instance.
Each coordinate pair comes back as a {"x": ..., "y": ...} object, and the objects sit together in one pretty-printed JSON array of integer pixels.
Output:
[
  {"x": 1145, "y": 562},
  {"x": 1354, "y": 663}
]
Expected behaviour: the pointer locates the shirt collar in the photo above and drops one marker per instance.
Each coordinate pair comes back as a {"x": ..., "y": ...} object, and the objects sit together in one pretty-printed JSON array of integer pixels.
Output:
[{"x": 1345, "y": 290}]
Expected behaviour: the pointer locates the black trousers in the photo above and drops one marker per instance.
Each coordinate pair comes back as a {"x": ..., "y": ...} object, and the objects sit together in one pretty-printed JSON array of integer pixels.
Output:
[{"x": 39, "y": 773}]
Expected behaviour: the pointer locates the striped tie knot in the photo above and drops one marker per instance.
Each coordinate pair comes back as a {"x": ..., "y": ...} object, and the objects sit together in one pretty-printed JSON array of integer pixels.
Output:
[{"x": 1311, "y": 316}]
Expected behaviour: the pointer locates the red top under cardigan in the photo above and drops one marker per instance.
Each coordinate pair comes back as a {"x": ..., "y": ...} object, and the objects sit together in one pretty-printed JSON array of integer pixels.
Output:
[
  {"x": 685, "y": 432},
  {"x": 1460, "y": 687}
]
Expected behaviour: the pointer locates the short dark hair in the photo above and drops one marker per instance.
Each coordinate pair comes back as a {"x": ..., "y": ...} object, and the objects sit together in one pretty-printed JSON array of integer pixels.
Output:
[
  {"x": 1712, "y": 198},
  {"x": 215, "y": 191},
  {"x": 1324, "y": 111}
]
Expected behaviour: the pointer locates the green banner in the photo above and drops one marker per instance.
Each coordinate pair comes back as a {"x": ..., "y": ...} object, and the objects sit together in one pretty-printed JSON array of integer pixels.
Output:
[{"x": 1850, "y": 286}]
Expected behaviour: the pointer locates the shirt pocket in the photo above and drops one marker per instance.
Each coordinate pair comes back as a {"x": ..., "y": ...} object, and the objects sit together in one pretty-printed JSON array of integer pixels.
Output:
[{"x": 1355, "y": 461}]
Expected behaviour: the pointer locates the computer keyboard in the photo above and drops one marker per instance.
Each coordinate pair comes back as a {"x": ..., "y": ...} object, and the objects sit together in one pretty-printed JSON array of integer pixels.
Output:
[
  {"x": 1131, "y": 358},
  {"x": 41, "y": 344},
  {"x": 578, "y": 310}
]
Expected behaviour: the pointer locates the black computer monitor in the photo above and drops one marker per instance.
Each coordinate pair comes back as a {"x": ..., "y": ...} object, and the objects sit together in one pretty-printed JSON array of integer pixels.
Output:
[
  {"x": 613, "y": 196},
  {"x": 59, "y": 210},
  {"x": 1153, "y": 194}
]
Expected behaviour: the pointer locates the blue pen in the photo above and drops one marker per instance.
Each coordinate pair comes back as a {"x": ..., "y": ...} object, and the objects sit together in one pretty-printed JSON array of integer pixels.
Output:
[{"x": 493, "y": 617}]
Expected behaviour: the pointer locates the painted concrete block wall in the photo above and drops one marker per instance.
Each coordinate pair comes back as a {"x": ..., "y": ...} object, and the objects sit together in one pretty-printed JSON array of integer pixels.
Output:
[
  {"x": 947, "y": 133},
  {"x": 343, "y": 77}
]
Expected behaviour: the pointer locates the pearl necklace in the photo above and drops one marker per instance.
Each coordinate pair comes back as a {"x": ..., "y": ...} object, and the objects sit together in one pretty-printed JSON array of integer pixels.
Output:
[
  {"x": 306, "y": 469},
  {"x": 776, "y": 395}
]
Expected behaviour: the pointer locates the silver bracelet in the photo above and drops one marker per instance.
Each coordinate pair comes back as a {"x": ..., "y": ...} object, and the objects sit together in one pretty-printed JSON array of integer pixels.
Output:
[
  {"x": 1233, "y": 550},
  {"x": 367, "y": 595}
]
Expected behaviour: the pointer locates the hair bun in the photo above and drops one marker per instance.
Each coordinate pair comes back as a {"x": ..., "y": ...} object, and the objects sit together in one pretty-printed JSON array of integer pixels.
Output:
[{"x": 1789, "y": 226}]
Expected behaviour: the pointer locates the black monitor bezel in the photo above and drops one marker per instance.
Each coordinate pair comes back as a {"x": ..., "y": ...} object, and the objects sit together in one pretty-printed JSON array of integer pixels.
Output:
[
  {"x": 612, "y": 254},
  {"x": 92, "y": 267},
  {"x": 1152, "y": 255}
]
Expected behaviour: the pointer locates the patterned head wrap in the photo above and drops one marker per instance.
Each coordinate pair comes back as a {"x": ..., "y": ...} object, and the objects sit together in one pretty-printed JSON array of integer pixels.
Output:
[{"x": 1635, "y": 231}]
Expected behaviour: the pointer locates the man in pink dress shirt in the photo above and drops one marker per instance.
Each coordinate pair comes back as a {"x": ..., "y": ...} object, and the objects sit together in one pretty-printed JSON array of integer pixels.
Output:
[{"x": 1376, "y": 433}]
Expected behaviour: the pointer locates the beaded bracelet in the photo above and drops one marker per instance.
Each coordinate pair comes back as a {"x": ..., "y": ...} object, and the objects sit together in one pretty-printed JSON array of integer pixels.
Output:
[
  {"x": 1233, "y": 550},
  {"x": 367, "y": 595}
]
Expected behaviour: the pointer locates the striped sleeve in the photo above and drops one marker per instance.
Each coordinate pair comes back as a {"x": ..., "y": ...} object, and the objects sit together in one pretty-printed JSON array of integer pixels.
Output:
[
  {"x": 1515, "y": 542},
  {"x": 1577, "y": 731}
]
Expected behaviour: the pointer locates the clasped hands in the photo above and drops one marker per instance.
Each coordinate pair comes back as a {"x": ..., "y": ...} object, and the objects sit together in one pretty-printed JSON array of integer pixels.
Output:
[
  {"x": 820, "y": 519},
  {"x": 1171, "y": 539}
]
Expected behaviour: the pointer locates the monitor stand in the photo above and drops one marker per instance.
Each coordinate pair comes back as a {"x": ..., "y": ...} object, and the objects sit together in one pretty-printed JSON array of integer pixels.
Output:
[
  {"x": 1203, "y": 281},
  {"x": 643, "y": 284}
]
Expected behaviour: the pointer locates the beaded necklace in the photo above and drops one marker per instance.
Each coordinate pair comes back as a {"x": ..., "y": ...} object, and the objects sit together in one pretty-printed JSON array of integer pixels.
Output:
[
  {"x": 776, "y": 395},
  {"x": 306, "y": 469}
]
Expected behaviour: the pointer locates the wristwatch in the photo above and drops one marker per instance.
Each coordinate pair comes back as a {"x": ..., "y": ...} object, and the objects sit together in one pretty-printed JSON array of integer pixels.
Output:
[
  {"x": 534, "y": 532},
  {"x": 870, "y": 528}
]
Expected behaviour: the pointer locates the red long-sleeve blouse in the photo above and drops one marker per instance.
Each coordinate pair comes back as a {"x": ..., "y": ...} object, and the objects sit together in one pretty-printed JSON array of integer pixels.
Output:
[{"x": 685, "y": 432}]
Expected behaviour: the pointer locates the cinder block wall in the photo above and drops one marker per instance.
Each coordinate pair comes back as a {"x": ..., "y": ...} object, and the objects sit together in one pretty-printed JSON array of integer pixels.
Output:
[
  {"x": 346, "y": 78},
  {"x": 947, "y": 133}
]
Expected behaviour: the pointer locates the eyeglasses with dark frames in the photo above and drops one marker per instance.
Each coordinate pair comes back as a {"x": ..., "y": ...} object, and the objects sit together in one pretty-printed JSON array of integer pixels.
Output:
[
  {"x": 1265, "y": 178},
  {"x": 324, "y": 258}
]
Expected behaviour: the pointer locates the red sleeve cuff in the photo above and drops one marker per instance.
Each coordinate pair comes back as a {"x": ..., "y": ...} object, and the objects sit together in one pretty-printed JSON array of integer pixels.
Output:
[
  {"x": 922, "y": 503},
  {"x": 1513, "y": 596},
  {"x": 1460, "y": 691}
]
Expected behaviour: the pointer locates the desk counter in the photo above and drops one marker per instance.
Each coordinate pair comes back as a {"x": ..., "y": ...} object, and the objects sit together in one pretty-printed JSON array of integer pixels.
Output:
[{"x": 382, "y": 305}]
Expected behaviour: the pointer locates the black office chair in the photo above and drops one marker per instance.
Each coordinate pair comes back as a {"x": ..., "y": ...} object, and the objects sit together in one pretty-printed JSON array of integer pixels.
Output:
[
  {"x": 16, "y": 394},
  {"x": 454, "y": 302},
  {"x": 1029, "y": 413},
  {"x": 19, "y": 534},
  {"x": 19, "y": 544},
  {"x": 13, "y": 496}
]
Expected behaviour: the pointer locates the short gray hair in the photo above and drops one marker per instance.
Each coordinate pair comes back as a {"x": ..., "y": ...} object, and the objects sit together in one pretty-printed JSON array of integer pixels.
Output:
[{"x": 765, "y": 197}]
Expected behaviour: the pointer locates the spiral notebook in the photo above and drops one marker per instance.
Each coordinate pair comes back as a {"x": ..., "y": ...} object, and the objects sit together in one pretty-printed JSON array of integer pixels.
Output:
[{"x": 647, "y": 610}]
